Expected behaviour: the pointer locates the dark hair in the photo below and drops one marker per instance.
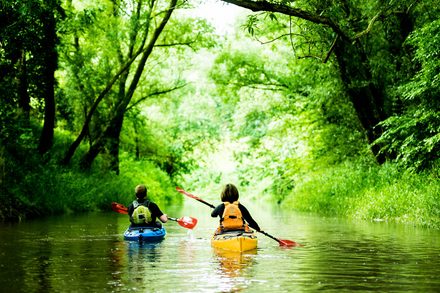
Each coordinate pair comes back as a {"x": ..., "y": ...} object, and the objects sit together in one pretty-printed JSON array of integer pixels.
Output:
[
  {"x": 229, "y": 193},
  {"x": 141, "y": 191}
]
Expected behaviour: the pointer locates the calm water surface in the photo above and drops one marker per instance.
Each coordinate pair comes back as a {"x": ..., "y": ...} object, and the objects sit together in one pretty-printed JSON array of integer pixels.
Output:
[{"x": 87, "y": 253}]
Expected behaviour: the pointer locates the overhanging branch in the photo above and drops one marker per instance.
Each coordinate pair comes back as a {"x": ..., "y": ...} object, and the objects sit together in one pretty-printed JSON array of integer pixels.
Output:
[
  {"x": 287, "y": 10},
  {"x": 155, "y": 93}
]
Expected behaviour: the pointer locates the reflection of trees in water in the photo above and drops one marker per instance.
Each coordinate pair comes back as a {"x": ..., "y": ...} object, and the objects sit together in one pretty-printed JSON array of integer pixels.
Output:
[
  {"x": 116, "y": 254},
  {"x": 44, "y": 249}
]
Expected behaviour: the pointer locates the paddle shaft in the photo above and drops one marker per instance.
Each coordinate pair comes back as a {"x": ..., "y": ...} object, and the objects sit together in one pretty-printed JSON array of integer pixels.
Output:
[
  {"x": 194, "y": 197},
  {"x": 281, "y": 242},
  {"x": 207, "y": 203},
  {"x": 119, "y": 208},
  {"x": 186, "y": 222},
  {"x": 270, "y": 236}
]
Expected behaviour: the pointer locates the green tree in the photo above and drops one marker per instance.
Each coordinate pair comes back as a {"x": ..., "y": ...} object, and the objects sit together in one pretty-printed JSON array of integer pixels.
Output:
[
  {"x": 360, "y": 35},
  {"x": 28, "y": 62},
  {"x": 128, "y": 40},
  {"x": 413, "y": 134},
  {"x": 289, "y": 115}
]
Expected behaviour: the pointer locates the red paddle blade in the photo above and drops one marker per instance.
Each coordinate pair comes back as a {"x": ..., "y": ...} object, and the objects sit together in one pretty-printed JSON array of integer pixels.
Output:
[
  {"x": 119, "y": 208},
  {"x": 288, "y": 243},
  {"x": 187, "y": 222}
]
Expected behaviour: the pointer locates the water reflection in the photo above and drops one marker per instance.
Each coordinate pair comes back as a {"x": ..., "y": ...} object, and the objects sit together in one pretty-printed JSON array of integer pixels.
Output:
[
  {"x": 233, "y": 264},
  {"x": 234, "y": 271},
  {"x": 88, "y": 253}
]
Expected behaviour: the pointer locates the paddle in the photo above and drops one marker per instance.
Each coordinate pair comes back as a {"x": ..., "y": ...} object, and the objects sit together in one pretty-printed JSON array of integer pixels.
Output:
[
  {"x": 282, "y": 242},
  {"x": 186, "y": 222},
  {"x": 119, "y": 208},
  {"x": 194, "y": 197}
]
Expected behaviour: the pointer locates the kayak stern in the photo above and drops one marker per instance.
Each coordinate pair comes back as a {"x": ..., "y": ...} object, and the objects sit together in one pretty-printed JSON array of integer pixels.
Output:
[
  {"x": 235, "y": 241},
  {"x": 144, "y": 234}
]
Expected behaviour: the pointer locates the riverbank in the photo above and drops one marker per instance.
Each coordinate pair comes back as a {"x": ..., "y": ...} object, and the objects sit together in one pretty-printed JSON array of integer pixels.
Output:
[
  {"x": 36, "y": 190},
  {"x": 370, "y": 192},
  {"x": 352, "y": 190}
]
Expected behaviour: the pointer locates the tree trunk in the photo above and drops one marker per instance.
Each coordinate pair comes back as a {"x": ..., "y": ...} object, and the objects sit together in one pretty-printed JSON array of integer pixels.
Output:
[
  {"x": 47, "y": 134},
  {"x": 72, "y": 149},
  {"x": 113, "y": 143},
  {"x": 110, "y": 139},
  {"x": 367, "y": 99},
  {"x": 365, "y": 94},
  {"x": 111, "y": 135},
  {"x": 23, "y": 85},
  {"x": 89, "y": 157},
  {"x": 136, "y": 141}
]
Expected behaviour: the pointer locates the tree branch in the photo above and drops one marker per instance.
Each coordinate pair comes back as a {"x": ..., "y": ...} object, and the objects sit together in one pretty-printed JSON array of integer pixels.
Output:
[
  {"x": 331, "y": 50},
  {"x": 370, "y": 25},
  {"x": 276, "y": 38},
  {"x": 287, "y": 10},
  {"x": 156, "y": 93},
  {"x": 261, "y": 86},
  {"x": 176, "y": 44}
]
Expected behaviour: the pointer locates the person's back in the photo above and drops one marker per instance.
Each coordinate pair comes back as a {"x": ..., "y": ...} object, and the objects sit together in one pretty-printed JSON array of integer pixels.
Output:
[
  {"x": 232, "y": 218},
  {"x": 143, "y": 212},
  {"x": 233, "y": 215}
]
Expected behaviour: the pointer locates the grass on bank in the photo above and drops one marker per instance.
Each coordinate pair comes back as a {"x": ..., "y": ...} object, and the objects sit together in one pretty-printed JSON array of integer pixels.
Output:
[
  {"x": 31, "y": 189},
  {"x": 370, "y": 192}
]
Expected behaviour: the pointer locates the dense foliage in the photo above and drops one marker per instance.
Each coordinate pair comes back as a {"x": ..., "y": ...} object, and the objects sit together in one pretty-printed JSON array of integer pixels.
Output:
[
  {"x": 413, "y": 134},
  {"x": 329, "y": 107}
]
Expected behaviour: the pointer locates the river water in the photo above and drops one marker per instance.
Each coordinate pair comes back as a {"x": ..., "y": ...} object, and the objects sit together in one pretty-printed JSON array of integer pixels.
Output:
[{"x": 87, "y": 253}]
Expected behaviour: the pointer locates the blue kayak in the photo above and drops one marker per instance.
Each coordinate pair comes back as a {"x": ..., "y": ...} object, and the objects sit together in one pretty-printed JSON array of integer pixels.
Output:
[{"x": 144, "y": 234}]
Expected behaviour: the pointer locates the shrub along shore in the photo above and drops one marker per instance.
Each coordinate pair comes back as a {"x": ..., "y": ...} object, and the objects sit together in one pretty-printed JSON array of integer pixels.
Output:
[
  {"x": 379, "y": 193},
  {"x": 34, "y": 191},
  {"x": 351, "y": 190}
]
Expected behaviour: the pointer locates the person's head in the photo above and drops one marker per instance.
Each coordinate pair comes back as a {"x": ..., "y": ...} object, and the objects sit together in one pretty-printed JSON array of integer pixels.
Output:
[
  {"x": 140, "y": 191},
  {"x": 229, "y": 193}
]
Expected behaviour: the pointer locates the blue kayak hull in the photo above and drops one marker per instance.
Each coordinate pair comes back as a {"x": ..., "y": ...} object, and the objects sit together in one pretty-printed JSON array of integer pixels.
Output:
[{"x": 144, "y": 234}]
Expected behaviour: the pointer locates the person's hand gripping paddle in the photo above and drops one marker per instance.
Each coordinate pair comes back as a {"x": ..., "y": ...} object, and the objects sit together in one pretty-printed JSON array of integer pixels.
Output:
[{"x": 186, "y": 222}]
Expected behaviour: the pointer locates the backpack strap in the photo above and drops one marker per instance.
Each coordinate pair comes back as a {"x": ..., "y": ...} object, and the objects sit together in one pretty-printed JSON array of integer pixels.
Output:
[{"x": 145, "y": 203}]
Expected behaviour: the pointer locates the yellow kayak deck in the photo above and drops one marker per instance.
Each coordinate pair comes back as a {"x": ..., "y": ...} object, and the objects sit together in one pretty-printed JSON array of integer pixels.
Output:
[{"x": 235, "y": 241}]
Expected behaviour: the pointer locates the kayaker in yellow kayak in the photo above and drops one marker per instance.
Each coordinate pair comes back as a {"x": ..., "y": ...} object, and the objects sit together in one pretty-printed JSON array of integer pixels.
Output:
[
  {"x": 143, "y": 212},
  {"x": 233, "y": 215}
]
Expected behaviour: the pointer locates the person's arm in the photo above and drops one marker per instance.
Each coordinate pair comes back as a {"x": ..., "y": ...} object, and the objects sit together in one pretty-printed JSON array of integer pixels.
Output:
[
  {"x": 218, "y": 211},
  {"x": 163, "y": 218},
  {"x": 155, "y": 210},
  {"x": 248, "y": 218}
]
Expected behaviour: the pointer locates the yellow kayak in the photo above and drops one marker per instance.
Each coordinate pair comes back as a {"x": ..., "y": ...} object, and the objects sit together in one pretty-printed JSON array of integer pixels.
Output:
[{"x": 235, "y": 241}]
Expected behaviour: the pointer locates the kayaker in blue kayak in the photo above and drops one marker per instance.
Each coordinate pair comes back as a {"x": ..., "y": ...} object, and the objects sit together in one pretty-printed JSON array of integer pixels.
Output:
[
  {"x": 233, "y": 215},
  {"x": 143, "y": 212}
]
